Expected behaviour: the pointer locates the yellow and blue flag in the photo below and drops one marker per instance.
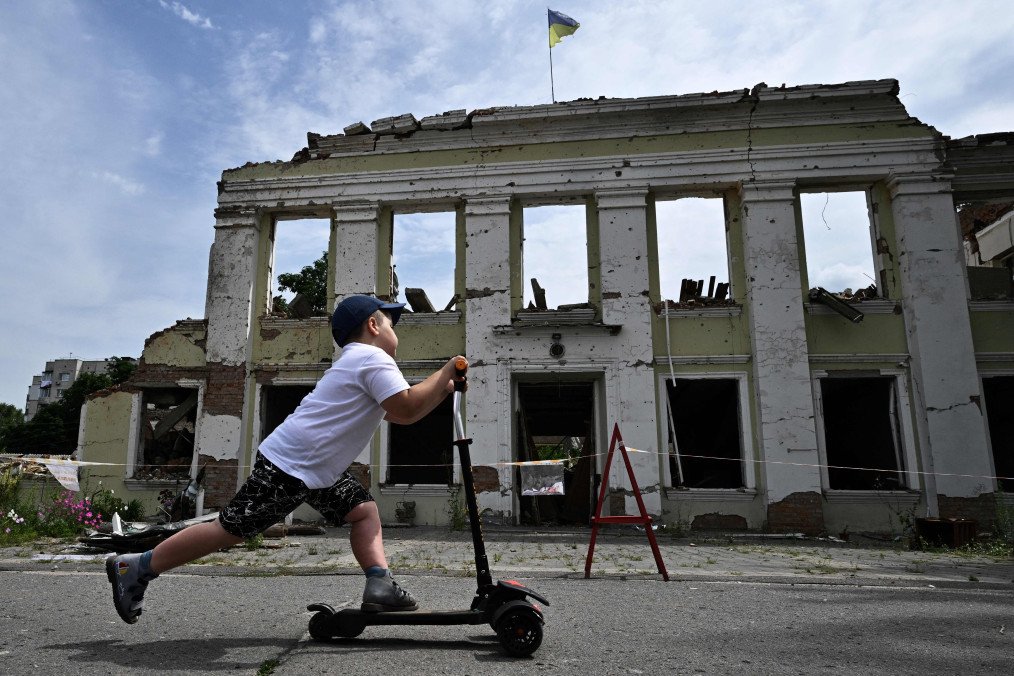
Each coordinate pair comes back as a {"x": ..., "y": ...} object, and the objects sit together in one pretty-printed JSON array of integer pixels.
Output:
[{"x": 560, "y": 26}]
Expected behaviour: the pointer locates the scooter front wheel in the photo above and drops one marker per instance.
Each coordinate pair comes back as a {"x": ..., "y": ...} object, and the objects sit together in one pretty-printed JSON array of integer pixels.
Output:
[{"x": 520, "y": 632}]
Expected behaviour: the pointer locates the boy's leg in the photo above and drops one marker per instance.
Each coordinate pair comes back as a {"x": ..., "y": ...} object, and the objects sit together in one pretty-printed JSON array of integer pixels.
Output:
[
  {"x": 348, "y": 501},
  {"x": 366, "y": 536},
  {"x": 191, "y": 543},
  {"x": 130, "y": 573},
  {"x": 267, "y": 496}
]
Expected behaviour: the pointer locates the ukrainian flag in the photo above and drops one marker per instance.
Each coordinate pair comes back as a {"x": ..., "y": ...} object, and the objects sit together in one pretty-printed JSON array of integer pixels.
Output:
[{"x": 560, "y": 26}]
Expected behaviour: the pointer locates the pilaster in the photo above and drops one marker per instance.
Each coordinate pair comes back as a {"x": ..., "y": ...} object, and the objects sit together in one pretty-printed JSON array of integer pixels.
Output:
[
  {"x": 630, "y": 386},
  {"x": 947, "y": 396},
  {"x": 784, "y": 398}
]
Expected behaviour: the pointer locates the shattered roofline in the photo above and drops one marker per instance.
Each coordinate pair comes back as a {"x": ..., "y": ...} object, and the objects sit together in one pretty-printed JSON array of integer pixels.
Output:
[{"x": 360, "y": 138}]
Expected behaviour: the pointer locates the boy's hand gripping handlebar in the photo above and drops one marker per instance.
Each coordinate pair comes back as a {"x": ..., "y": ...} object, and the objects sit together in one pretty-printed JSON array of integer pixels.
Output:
[{"x": 460, "y": 369}]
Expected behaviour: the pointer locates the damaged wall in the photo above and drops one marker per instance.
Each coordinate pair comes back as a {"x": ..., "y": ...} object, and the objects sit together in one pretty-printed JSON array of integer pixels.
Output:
[{"x": 757, "y": 150}]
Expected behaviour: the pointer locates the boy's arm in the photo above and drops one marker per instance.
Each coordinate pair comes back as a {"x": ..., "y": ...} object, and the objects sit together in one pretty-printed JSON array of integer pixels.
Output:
[{"x": 413, "y": 404}]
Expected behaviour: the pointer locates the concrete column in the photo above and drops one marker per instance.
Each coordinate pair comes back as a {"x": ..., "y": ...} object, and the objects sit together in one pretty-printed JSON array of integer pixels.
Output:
[
  {"x": 231, "y": 280},
  {"x": 947, "y": 398},
  {"x": 488, "y": 304},
  {"x": 356, "y": 249},
  {"x": 781, "y": 369},
  {"x": 230, "y": 312},
  {"x": 630, "y": 384}
]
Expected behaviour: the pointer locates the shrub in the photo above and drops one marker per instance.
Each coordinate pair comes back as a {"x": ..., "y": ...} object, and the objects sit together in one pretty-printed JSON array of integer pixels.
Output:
[
  {"x": 107, "y": 504},
  {"x": 68, "y": 516},
  {"x": 9, "y": 480},
  {"x": 14, "y": 528}
]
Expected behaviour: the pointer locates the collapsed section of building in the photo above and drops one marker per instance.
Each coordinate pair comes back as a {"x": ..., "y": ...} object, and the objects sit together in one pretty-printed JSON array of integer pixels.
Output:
[{"x": 760, "y": 401}]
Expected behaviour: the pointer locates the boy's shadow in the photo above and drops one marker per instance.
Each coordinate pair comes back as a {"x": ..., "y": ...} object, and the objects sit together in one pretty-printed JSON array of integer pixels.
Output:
[
  {"x": 209, "y": 654},
  {"x": 230, "y": 654}
]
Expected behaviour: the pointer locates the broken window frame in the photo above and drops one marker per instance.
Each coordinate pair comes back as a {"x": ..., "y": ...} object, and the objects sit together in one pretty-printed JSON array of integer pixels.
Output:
[
  {"x": 1006, "y": 487},
  {"x": 900, "y": 415},
  {"x": 710, "y": 287},
  {"x": 522, "y": 277},
  {"x": 386, "y": 249},
  {"x": 417, "y": 489},
  {"x": 268, "y": 272},
  {"x": 879, "y": 254},
  {"x": 135, "y": 451},
  {"x": 748, "y": 456}
]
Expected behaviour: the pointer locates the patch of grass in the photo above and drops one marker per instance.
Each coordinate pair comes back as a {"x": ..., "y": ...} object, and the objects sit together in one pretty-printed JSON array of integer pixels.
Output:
[
  {"x": 267, "y": 667},
  {"x": 254, "y": 543}
]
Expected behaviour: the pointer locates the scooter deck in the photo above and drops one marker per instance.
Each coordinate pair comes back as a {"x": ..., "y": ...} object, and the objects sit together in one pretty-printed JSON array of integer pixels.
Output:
[{"x": 402, "y": 617}]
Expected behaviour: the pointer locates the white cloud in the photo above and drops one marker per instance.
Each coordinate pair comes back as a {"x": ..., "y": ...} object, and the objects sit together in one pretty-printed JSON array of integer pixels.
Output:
[
  {"x": 192, "y": 18},
  {"x": 125, "y": 184},
  {"x": 153, "y": 144}
]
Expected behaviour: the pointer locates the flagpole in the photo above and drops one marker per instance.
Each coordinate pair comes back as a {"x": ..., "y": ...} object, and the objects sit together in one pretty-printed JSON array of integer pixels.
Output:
[{"x": 552, "y": 86}]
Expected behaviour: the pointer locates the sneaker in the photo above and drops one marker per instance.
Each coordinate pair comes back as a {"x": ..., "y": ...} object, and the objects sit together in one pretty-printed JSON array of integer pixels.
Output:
[
  {"x": 128, "y": 585},
  {"x": 384, "y": 594}
]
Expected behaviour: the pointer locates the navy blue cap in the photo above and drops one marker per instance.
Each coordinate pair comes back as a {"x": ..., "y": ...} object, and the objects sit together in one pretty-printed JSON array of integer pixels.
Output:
[{"x": 350, "y": 314}]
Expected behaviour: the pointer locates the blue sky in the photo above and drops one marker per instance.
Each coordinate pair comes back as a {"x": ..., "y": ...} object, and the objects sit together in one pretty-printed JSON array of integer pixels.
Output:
[{"x": 117, "y": 117}]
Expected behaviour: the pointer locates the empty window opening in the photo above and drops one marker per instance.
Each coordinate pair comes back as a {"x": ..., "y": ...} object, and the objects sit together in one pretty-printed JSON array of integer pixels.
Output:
[
  {"x": 861, "y": 433},
  {"x": 423, "y": 452},
  {"x": 988, "y": 229},
  {"x": 422, "y": 260},
  {"x": 279, "y": 402},
  {"x": 555, "y": 258},
  {"x": 168, "y": 421},
  {"x": 555, "y": 422},
  {"x": 693, "y": 252},
  {"x": 839, "y": 244},
  {"x": 999, "y": 394},
  {"x": 299, "y": 268},
  {"x": 706, "y": 416}
]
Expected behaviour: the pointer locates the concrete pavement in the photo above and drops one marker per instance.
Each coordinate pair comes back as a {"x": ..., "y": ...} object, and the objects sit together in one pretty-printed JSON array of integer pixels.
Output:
[{"x": 621, "y": 551}]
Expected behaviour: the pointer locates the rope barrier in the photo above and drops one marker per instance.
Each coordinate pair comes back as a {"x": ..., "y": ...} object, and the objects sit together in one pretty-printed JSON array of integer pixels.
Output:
[{"x": 64, "y": 461}]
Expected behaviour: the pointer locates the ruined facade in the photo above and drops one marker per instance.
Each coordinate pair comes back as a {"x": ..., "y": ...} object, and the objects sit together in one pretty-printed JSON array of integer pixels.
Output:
[{"x": 754, "y": 403}]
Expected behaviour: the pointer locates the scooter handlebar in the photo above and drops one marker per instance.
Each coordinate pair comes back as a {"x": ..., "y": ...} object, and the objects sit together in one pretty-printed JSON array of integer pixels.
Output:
[{"x": 460, "y": 369}]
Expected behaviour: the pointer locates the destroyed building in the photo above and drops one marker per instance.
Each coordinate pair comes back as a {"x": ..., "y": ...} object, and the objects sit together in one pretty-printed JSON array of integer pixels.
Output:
[{"x": 758, "y": 400}]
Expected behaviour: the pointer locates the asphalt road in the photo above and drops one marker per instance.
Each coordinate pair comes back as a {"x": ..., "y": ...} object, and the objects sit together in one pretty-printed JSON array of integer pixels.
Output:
[{"x": 61, "y": 621}]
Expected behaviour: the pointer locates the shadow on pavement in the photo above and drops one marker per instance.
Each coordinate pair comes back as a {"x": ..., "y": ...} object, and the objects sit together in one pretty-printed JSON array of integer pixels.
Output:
[{"x": 198, "y": 655}]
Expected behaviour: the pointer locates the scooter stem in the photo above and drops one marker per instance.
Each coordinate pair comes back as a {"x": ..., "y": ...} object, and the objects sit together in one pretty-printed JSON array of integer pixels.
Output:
[{"x": 482, "y": 574}]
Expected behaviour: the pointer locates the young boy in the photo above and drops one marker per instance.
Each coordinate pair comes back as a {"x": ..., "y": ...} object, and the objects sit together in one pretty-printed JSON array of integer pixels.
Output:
[{"x": 305, "y": 460}]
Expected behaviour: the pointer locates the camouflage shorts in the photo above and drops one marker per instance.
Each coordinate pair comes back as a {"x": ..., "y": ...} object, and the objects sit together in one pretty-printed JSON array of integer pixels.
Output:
[{"x": 270, "y": 494}]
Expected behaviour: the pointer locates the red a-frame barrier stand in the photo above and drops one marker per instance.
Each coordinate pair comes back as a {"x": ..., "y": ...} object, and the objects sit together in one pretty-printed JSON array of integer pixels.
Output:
[{"x": 644, "y": 519}]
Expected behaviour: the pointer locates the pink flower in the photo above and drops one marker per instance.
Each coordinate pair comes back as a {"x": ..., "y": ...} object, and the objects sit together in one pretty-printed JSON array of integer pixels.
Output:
[{"x": 7, "y": 530}]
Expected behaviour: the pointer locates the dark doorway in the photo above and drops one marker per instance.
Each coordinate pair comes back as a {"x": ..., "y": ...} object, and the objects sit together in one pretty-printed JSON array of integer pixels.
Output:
[
  {"x": 705, "y": 413},
  {"x": 556, "y": 421},
  {"x": 999, "y": 394},
  {"x": 860, "y": 433},
  {"x": 423, "y": 452},
  {"x": 279, "y": 402}
]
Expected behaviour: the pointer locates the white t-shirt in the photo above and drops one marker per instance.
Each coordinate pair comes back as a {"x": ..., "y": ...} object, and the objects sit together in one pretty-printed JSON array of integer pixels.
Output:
[{"x": 333, "y": 423}]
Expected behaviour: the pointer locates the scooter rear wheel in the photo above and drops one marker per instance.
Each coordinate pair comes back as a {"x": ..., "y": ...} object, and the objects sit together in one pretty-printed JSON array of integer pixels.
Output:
[
  {"x": 324, "y": 626},
  {"x": 520, "y": 632}
]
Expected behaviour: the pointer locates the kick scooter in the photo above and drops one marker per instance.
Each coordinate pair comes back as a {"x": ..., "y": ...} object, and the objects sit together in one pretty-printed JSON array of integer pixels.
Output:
[{"x": 505, "y": 606}]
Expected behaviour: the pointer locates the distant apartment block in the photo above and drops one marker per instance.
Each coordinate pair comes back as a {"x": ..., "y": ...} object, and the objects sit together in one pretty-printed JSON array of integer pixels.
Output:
[{"x": 58, "y": 375}]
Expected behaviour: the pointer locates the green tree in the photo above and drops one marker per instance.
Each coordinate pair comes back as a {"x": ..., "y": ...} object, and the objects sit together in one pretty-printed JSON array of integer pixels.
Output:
[
  {"x": 120, "y": 368},
  {"x": 310, "y": 282},
  {"x": 44, "y": 433},
  {"x": 11, "y": 418}
]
